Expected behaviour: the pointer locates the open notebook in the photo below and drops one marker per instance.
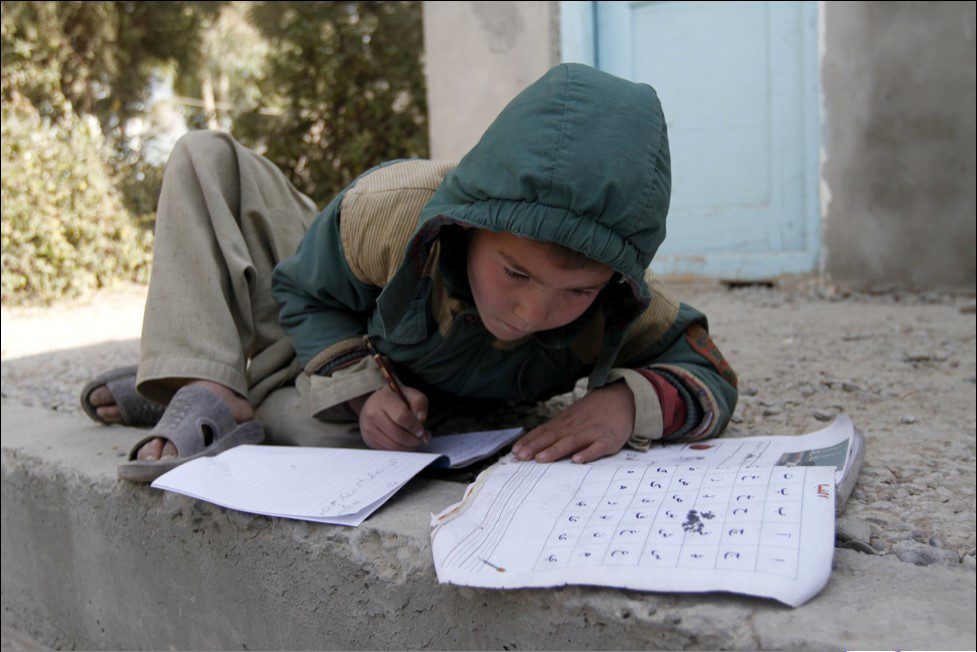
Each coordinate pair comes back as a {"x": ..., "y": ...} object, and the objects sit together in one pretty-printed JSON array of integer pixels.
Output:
[{"x": 325, "y": 485}]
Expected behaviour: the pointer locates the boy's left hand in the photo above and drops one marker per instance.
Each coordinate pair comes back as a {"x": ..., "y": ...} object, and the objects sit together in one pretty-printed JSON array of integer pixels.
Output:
[{"x": 599, "y": 424}]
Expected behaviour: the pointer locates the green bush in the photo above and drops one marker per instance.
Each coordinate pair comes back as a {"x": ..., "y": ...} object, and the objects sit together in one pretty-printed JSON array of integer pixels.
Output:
[
  {"x": 333, "y": 89},
  {"x": 140, "y": 182},
  {"x": 65, "y": 230}
]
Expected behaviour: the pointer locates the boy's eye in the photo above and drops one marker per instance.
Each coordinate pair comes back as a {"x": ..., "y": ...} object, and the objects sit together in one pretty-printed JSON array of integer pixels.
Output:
[
  {"x": 513, "y": 274},
  {"x": 582, "y": 293}
]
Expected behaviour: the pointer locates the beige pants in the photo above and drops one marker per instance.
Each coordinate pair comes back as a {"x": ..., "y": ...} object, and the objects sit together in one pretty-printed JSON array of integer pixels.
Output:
[{"x": 226, "y": 217}]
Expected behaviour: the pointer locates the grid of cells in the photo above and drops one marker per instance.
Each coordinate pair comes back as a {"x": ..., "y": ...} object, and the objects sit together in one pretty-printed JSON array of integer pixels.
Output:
[{"x": 735, "y": 518}]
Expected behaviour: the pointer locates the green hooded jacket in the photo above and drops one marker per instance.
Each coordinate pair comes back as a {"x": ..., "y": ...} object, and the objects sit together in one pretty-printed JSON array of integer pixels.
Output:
[{"x": 579, "y": 158}]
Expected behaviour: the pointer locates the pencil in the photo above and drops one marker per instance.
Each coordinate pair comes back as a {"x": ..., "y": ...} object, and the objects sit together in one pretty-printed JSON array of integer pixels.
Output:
[{"x": 388, "y": 374}]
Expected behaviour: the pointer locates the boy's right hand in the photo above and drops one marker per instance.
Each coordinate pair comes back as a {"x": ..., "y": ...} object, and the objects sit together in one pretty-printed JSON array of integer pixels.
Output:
[{"x": 387, "y": 424}]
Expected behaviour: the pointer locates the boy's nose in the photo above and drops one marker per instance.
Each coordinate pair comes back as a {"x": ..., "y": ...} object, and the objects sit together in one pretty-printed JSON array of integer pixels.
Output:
[{"x": 532, "y": 312}]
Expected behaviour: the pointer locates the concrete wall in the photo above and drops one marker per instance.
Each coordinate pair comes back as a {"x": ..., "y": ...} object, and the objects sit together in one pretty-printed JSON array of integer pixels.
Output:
[
  {"x": 479, "y": 55},
  {"x": 898, "y": 101},
  {"x": 91, "y": 563},
  {"x": 898, "y": 85}
]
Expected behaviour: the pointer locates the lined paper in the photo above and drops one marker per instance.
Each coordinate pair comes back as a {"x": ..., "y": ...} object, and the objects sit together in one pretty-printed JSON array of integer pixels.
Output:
[{"x": 325, "y": 485}]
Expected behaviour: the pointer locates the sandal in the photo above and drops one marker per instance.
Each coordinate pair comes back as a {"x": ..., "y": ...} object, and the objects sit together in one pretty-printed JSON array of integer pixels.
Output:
[
  {"x": 121, "y": 383},
  {"x": 199, "y": 423}
]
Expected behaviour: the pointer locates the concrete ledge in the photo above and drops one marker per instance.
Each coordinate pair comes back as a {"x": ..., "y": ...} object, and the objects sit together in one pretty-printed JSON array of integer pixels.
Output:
[{"x": 93, "y": 563}]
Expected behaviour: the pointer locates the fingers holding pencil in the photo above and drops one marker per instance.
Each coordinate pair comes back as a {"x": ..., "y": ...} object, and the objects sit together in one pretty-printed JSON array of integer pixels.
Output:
[
  {"x": 388, "y": 423},
  {"x": 412, "y": 412}
]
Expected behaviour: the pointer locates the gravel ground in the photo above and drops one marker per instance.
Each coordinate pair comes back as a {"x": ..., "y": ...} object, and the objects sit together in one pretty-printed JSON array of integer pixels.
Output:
[{"x": 901, "y": 365}]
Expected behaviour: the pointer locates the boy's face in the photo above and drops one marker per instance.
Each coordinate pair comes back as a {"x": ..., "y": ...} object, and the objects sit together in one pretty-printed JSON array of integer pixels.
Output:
[{"x": 520, "y": 288}]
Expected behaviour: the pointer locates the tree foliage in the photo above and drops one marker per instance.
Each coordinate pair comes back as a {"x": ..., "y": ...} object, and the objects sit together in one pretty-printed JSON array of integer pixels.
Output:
[
  {"x": 325, "y": 90},
  {"x": 97, "y": 58},
  {"x": 232, "y": 58},
  {"x": 74, "y": 74},
  {"x": 346, "y": 81}
]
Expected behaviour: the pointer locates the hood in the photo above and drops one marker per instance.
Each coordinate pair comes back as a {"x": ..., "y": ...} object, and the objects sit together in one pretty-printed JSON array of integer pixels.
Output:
[{"x": 579, "y": 158}]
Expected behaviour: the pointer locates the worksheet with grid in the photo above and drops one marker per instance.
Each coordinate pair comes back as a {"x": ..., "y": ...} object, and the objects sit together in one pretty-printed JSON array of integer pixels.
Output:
[{"x": 633, "y": 522}]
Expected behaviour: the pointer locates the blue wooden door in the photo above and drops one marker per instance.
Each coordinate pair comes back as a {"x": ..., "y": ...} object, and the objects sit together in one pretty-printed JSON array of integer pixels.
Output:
[{"x": 738, "y": 84}]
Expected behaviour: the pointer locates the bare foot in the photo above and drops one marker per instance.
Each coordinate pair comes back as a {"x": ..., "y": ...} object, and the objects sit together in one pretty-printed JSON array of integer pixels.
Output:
[
  {"x": 105, "y": 405},
  {"x": 159, "y": 448}
]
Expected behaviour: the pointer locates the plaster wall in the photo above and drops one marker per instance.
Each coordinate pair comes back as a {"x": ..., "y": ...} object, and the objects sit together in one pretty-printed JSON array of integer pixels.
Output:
[
  {"x": 478, "y": 56},
  {"x": 898, "y": 142}
]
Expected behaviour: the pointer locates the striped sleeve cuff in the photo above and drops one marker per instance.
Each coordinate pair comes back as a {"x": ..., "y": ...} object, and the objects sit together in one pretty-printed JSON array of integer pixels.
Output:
[{"x": 701, "y": 416}]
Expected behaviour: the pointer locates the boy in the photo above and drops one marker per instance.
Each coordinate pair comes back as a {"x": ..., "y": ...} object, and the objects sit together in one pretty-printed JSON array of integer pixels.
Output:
[{"x": 509, "y": 276}]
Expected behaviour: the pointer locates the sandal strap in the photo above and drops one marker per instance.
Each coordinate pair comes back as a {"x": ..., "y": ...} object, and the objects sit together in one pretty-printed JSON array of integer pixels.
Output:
[
  {"x": 136, "y": 410},
  {"x": 191, "y": 410}
]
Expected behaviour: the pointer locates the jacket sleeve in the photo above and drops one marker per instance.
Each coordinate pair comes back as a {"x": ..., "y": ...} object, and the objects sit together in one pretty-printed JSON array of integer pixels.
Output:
[
  {"x": 324, "y": 308},
  {"x": 672, "y": 340},
  {"x": 328, "y": 290}
]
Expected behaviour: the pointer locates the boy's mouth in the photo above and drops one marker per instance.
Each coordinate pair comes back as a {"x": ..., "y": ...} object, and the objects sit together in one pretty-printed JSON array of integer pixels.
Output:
[{"x": 520, "y": 332}]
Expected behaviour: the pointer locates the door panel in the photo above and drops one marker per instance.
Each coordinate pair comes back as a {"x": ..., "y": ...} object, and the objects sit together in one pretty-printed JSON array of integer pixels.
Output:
[{"x": 738, "y": 84}]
